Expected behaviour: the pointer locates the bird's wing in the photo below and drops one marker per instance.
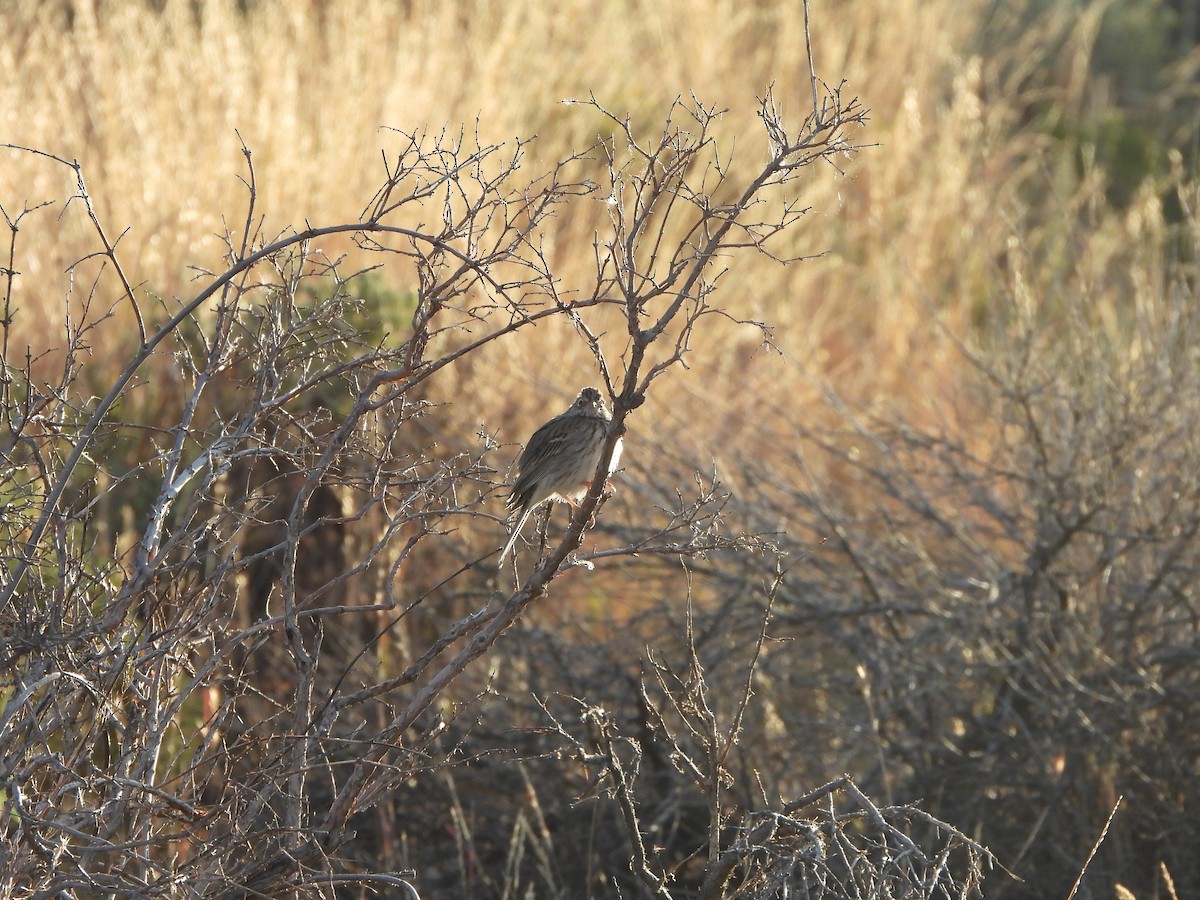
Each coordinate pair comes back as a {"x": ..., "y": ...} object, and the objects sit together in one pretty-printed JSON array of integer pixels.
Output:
[{"x": 546, "y": 441}]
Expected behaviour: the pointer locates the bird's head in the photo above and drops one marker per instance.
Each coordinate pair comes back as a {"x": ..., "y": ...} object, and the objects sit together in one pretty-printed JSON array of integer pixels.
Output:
[{"x": 590, "y": 401}]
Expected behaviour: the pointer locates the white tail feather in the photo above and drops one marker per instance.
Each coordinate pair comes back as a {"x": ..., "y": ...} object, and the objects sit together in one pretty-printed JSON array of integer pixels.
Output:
[{"x": 512, "y": 538}]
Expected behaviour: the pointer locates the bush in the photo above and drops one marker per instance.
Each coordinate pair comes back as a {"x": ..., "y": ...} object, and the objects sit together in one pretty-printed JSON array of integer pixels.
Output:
[
  {"x": 239, "y": 630},
  {"x": 1000, "y": 619}
]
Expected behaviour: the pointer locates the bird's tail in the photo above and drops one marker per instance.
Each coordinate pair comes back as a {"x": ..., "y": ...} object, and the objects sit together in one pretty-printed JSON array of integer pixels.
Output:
[{"x": 512, "y": 538}]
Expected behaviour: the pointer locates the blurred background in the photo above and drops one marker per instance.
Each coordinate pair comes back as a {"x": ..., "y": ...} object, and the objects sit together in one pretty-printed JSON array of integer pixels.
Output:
[
  {"x": 1033, "y": 136},
  {"x": 972, "y": 436}
]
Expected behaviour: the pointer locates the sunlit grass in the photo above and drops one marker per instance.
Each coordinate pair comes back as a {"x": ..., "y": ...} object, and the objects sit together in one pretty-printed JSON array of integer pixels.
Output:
[{"x": 914, "y": 234}]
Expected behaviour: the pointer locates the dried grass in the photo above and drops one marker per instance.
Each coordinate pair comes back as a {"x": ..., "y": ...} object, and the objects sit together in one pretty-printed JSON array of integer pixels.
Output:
[{"x": 915, "y": 232}]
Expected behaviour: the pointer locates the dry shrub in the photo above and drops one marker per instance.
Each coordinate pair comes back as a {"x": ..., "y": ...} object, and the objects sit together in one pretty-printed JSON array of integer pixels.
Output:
[
  {"x": 217, "y": 701},
  {"x": 1000, "y": 615}
]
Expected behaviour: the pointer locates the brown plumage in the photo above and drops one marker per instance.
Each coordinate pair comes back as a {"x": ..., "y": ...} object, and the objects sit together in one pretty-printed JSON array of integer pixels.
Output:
[{"x": 561, "y": 458}]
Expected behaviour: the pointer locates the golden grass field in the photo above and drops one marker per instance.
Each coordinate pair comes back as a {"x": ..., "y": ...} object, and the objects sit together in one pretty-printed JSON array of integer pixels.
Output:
[
  {"x": 957, "y": 199},
  {"x": 959, "y": 212}
]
